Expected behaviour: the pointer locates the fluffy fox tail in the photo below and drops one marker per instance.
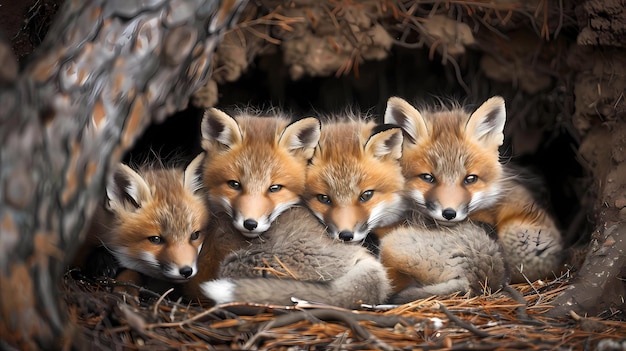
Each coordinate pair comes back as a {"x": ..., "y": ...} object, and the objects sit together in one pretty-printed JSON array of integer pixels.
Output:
[{"x": 365, "y": 282}]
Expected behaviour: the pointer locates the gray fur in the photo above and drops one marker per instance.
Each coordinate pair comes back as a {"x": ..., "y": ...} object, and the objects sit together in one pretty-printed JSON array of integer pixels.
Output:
[
  {"x": 533, "y": 251},
  {"x": 461, "y": 258},
  {"x": 319, "y": 269}
]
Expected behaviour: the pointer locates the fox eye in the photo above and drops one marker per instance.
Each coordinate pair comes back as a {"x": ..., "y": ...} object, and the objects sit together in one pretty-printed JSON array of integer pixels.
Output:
[
  {"x": 366, "y": 195},
  {"x": 470, "y": 179},
  {"x": 156, "y": 240},
  {"x": 427, "y": 177},
  {"x": 194, "y": 236},
  {"x": 325, "y": 199},
  {"x": 274, "y": 188},
  {"x": 234, "y": 184}
]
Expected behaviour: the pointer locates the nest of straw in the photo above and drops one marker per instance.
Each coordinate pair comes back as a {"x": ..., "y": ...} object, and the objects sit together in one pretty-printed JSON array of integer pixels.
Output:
[{"x": 113, "y": 320}]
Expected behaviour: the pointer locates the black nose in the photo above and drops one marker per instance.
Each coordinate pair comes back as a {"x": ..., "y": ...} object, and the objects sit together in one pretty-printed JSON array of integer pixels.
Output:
[
  {"x": 346, "y": 235},
  {"x": 186, "y": 271},
  {"x": 448, "y": 213},
  {"x": 250, "y": 224}
]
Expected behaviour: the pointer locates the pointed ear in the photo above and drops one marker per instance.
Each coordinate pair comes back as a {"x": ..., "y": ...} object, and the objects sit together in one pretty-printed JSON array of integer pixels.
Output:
[
  {"x": 385, "y": 142},
  {"x": 301, "y": 137},
  {"x": 403, "y": 114},
  {"x": 126, "y": 190},
  {"x": 219, "y": 131},
  {"x": 486, "y": 124},
  {"x": 193, "y": 174}
]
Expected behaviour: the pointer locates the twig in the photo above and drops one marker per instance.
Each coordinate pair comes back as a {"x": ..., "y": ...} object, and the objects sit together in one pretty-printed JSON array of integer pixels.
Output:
[
  {"x": 270, "y": 269},
  {"x": 539, "y": 298},
  {"x": 522, "y": 315},
  {"x": 188, "y": 320},
  {"x": 158, "y": 302},
  {"x": 461, "y": 323},
  {"x": 32, "y": 12},
  {"x": 271, "y": 19},
  {"x": 293, "y": 276},
  {"x": 459, "y": 77},
  {"x": 381, "y": 320},
  {"x": 560, "y": 25}
]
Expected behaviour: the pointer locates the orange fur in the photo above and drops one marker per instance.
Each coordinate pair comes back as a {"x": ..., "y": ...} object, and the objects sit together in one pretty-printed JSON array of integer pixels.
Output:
[
  {"x": 255, "y": 166},
  {"x": 449, "y": 154},
  {"x": 153, "y": 222},
  {"x": 221, "y": 240},
  {"x": 254, "y": 170},
  {"x": 355, "y": 183},
  {"x": 451, "y": 163}
]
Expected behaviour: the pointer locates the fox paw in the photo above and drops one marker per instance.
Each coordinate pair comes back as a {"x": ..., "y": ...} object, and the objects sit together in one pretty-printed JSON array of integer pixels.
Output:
[{"x": 532, "y": 252}]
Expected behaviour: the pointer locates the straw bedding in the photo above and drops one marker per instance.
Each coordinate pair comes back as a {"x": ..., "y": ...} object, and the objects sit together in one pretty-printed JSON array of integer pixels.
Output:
[{"x": 113, "y": 320}]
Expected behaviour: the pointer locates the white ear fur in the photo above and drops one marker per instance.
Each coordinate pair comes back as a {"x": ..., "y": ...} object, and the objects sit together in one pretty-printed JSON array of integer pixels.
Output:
[
  {"x": 486, "y": 124},
  {"x": 126, "y": 190},
  {"x": 193, "y": 174},
  {"x": 385, "y": 143},
  {"x": 400, "y": 112},
  {"x": 301, "y": 137},
  {"x": 219, "y": 130}
]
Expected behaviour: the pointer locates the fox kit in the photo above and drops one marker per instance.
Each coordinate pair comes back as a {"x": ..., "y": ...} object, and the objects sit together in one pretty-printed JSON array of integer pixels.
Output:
[
  {"x": 354, "y": 181},
  {"x": 254, "y": 170},
  {"x": 255, "y": 166},
  {"x": 296, "y": 258},
  {"x": 426, "y": 260},
  {"x": 152, "y": 222},
  {"x": 451, "y": 163}
]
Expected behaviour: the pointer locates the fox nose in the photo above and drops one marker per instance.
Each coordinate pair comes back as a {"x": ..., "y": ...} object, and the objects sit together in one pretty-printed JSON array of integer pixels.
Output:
[
  {"x": 346, "y": 235},
  {"x": 186, "y": 271},
  {"x": 250, "y": 224},
  {"x": 448, "y": 214}
]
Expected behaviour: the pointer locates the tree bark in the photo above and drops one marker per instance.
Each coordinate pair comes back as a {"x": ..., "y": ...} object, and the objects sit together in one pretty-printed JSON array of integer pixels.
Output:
[{"x": 106, "y": 70}]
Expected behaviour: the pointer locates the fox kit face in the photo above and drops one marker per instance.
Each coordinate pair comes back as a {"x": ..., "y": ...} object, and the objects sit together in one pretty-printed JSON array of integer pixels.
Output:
[
  {"x": 354, "y": 182},
  {"x": 450, "y": 158},
  {"x": 159, "y": 220},
  {"x": 256, "y": 166}
]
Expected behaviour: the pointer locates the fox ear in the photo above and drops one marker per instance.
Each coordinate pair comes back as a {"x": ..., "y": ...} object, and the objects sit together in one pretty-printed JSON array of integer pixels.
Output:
[
  {"x": 126, "y": 190},
  {"x": 193, "y": 174},
  {"x": 301, "y": 137},
  {"x": 385, "y": 142},
  {"x": 219, "y": 131},
  {"x": 486, "y": 124},
  {"x": 401, "y": 113}
]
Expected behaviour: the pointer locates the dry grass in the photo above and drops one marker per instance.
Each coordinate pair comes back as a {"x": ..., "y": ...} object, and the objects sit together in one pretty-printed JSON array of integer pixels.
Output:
[{"x": 111, "y": 320}]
